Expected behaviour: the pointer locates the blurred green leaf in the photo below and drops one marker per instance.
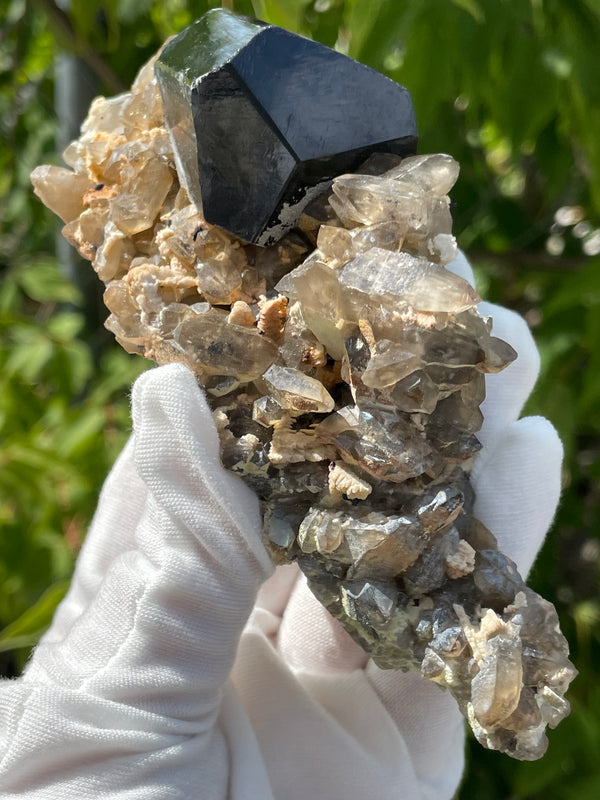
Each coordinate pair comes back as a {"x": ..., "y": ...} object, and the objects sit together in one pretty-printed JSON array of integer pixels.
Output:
[
  {"x": 82, "y": 433},
  {"x": 29, "y": 356},
  {"x": 580, "y": 290},
  {"x": 64, "y": 326},
  {"x": 27, "y": 629},
  {"x": 472, "y": 7},
  {"x": 41, "y": 281},
  {"x": 130, "y": 10}
]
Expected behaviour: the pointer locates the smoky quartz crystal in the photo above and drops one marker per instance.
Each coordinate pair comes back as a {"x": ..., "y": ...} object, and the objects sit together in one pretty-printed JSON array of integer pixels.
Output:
[{"x": 345, "y": 365}]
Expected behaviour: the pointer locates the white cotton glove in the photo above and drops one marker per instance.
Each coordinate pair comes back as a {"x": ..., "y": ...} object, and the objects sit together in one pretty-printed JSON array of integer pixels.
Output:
[
  {"x": 128, "y": 695},
  {"x": 122, "y": 698}
]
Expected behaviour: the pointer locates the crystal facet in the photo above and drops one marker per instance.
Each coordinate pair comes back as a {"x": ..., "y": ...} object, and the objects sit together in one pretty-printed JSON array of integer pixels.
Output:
[
  {"x": 262, "y": 90},
  {"x": 345, "y": 367}
]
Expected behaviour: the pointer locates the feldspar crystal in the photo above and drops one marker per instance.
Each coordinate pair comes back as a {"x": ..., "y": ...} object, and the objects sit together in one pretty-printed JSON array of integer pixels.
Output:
[
  {"x": 345, "y": 366},
  {"x": 271, "y": 96}
]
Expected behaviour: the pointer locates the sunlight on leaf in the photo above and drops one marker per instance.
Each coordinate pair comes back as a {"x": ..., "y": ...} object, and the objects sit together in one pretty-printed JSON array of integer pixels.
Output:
[
  {"x": 27, "y": 629},
  {"x": 472, "y": 7}
]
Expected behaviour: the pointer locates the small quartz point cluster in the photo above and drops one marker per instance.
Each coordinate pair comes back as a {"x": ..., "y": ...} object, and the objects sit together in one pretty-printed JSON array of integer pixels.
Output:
[{"x": 345, "y": 367}]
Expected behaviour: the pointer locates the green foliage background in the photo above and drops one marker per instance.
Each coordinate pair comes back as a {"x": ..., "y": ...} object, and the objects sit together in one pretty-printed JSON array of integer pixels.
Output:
[{"x": 510, "y": 89}]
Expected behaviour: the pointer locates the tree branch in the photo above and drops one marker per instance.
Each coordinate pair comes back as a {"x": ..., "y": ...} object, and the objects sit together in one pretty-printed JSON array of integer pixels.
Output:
[{"x": 62, "y": 24}]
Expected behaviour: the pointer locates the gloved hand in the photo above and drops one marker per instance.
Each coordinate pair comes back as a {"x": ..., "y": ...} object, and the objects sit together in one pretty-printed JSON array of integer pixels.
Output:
[{"x": 136, "y": 690}]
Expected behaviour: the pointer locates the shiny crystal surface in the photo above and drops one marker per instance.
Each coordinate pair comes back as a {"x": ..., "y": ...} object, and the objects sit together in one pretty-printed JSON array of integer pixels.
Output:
[
  {"x": 228, "y": 78},
  {"x": 345, "y": 366}
]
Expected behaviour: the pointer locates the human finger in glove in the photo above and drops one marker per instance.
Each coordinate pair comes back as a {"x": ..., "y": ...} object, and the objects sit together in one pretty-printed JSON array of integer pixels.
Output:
[{"x": 164, "y": 675}]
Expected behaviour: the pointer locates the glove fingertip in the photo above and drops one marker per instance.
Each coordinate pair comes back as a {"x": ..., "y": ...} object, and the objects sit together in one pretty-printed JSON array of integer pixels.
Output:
[
  {"x": 167, "y": 402},
  {"x": 540, "y": 429},
  {"x": 171, "y": 385},
  {"x": 518, "y": 477},
  {"x": 177, "y": 455}
]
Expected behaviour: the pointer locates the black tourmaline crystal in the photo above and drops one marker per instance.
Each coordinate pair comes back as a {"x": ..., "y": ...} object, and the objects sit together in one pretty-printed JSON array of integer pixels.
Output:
[{"x": 295, "y": 113}]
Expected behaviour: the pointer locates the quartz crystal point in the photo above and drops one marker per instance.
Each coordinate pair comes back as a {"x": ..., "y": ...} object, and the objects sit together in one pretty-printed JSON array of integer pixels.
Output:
[
  {"x": 299, "y": 112},
  {"x": 345, "y": 366}
]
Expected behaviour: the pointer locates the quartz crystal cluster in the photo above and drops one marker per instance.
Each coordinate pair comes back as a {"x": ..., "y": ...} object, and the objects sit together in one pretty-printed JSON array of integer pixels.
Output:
[{"x": 345, "y": 367}]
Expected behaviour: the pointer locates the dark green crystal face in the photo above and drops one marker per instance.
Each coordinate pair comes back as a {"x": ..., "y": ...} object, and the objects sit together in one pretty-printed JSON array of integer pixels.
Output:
[
  {"x": 208, "y": 43},
  {"x": 262, "y": 120}
]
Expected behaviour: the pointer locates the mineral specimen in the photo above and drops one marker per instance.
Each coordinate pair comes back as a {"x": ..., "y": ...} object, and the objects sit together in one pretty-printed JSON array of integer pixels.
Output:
[
  {"x": 345, "y": 367},
  {"x": 299, "y": 112}
]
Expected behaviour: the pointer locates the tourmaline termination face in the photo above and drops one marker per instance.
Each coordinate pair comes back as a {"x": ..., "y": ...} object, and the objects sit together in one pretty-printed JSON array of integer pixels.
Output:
[
  {"x": 294, "y": 112},
  {"x": 345, "y": 366}
]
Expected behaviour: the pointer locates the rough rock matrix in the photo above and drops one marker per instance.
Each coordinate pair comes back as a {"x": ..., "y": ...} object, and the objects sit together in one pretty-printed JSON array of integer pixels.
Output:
[{"x": 345, "y": 367}]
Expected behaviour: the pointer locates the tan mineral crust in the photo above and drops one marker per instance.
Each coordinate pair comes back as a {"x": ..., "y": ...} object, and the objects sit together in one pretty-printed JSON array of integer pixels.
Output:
[{"x": 345, "y": 367}]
